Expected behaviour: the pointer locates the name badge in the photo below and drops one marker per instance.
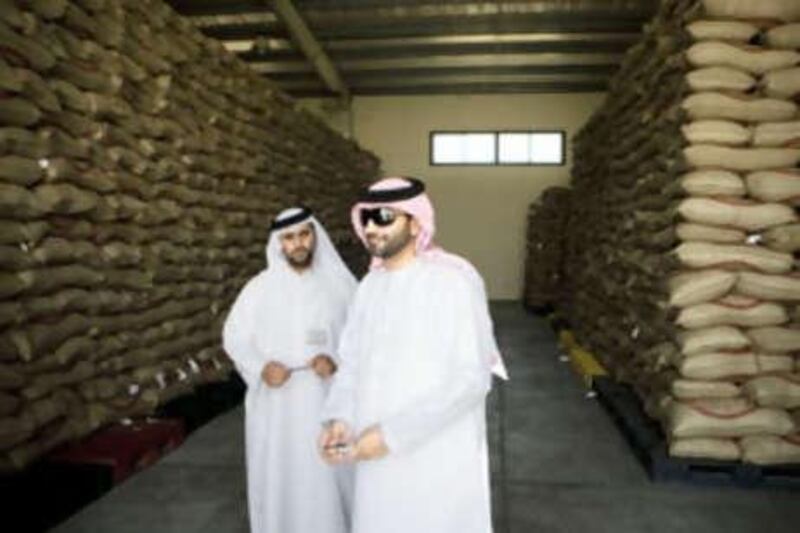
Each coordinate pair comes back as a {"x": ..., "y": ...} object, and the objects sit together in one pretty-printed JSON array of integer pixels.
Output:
[{"x": 317, "y": 337}]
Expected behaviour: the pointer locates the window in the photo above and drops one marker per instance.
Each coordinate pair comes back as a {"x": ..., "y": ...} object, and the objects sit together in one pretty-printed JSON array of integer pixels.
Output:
[
  {"x": 497, "y": 148},
  {"x": 535, "y": 148}
]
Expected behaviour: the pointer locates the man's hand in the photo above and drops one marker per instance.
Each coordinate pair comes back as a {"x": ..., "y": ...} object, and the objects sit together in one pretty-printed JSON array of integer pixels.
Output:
[
  {"x": 370, "y": 445},
  {"x": 323, "y": 366},
  {"x": 335, "y": 443},
  {"x": 275, "y": 374}
]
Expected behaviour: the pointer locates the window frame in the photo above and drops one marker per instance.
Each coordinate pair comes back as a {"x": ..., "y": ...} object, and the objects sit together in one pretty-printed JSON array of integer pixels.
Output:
[{"x": 497, "y": 162}]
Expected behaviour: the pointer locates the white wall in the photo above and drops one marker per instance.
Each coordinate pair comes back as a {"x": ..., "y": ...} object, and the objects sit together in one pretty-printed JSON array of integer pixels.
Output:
[{"x": 481, "y": 211}]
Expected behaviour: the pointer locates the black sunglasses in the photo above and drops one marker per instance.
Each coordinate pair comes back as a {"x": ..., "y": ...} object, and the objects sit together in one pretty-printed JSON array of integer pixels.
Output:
[{"x": 381, "y": 216}]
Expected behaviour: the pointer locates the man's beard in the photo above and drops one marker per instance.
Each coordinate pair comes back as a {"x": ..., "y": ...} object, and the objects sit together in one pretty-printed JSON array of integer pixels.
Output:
[
  {"x": 300, "y": 260},
  {"x": 391, "y": 247}
]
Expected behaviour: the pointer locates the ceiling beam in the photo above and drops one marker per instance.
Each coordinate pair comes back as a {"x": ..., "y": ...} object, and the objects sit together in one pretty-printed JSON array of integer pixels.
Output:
[
  {"x": 233, "y": 20},
  {"x": 432, "y": 80},
  {"x": 312, "y": 49},
  {"x": 442, "y": 41},
  {"x": 448, "y": 61},
  {"x": 332, "y": 19},
  {"x": 489, "y": 88},
  {"x": 381, "y": 29},
  {"x": 192, "y": 8},
  {"x": 354, "y": 78},
  {"x": 540, "y": 9}
]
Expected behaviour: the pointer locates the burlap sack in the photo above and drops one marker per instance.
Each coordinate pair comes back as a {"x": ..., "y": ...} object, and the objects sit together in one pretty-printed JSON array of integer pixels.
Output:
[
  {"x": 699, "y": 448},
  {"x": 771, "y": 449},
  {"x": 775, "y": 391},
  {"x": 726, "y": 418}
]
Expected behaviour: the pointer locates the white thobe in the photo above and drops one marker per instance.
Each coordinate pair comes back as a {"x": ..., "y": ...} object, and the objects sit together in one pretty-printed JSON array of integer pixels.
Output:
[
  {"x": 412, "y": 362},
  {"x": 290, "y": 488}
]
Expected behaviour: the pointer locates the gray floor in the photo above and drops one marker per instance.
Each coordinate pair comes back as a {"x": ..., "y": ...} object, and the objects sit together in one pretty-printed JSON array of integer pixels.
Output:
[{"x": 559, "y": 465}]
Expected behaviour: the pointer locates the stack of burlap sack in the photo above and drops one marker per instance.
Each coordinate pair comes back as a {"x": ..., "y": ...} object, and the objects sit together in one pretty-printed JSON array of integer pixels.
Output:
[{"x": 140, "y": 167}]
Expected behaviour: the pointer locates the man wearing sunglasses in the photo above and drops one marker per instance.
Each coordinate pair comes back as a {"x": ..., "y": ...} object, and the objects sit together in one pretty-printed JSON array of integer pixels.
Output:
[
  {"x": 417, "y": 353},
  {"x": 281, "y": 333}
]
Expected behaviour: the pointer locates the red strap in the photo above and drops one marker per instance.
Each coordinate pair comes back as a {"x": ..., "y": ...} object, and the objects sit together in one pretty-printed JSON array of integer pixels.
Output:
[
  {"x": 708, "y": 412},
  {"x": 793, "y": 439}
]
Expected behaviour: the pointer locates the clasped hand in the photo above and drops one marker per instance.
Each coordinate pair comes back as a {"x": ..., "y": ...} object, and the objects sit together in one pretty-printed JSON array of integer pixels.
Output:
[
  {"x": 337, "y": 445},
  {"x": 275, "y": 374}
]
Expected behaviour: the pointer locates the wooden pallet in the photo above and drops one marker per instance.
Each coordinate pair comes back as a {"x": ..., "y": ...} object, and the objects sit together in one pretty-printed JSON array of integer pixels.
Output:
[
  {"x": 649, "y": 445},
  {"x": 57, "y": 486},
  {"x": 124, "y": 448}
]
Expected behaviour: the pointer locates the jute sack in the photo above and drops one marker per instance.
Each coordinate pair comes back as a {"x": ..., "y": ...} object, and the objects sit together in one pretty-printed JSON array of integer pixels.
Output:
[
  {"x": 47, "y": 439},
  {"x": 768, "y": 287},
  {"x": 740, "y": 214},
  {"x": 688, "y": 232},
  {"x": 716, "y": 132},
  {"x": 771, "y": 449},
  {"x": 783, "y": 238},
  {"x": 720, "y": 79},
  {"x": 694, "y": 287},
  {"x": 753, "y": 59},
  {"x": 723, "y": 418},
  {"x": 659, "y": 356},
  {"x": 27, "y": 143},
  {"x": 14, "y": 431},
  {"x": 719, "y": 449},
  {"x": 777, "y": 134},
  {"x": 775, "y": 391},
  {"x": 707, "y": 255},
  {"x": 19, "y": 203},
  {"x": 785, "y": 36},
  {"x": 775, "y": 186},
  {"x": 787, "y": 10},
  {"x": 719, "y": 338},
  {"x": 716, "y": 107},
  {"x": 713, "y": 182},
  {"x": 691, "y": 389},
  {"x": 745, "y": 159},
  {"x": 18, "y": 112},
  {"x": 775, "y": 340},
  {"x": 722, "y": 30},
  {"x": 782, "y": 83},
  {"x": 732, "y": 365},
  {"x": 64, "y": 199},
  {"x": 752, "y": 314},
  {"x": 11, "y": 379},
  {"x": 30, "y": 233},
  {"x": 20, "y": 170},
  {"x": 9, "y": 404}
]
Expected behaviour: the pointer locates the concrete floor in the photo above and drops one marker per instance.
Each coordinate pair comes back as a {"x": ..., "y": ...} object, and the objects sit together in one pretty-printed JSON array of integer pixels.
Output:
[{"x": 558, "y": 465}]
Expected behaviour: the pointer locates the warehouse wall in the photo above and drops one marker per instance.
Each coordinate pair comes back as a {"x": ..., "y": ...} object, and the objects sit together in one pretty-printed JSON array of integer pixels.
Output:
[{"x": 481, "y": 210}]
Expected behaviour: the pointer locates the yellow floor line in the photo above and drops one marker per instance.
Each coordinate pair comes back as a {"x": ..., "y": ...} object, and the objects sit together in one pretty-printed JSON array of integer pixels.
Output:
[{"x": 583, "y": 362}]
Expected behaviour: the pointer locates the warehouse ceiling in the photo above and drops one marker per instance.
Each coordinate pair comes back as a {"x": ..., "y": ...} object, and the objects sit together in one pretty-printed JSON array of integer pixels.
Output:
[{"x": 364, "y": 47}]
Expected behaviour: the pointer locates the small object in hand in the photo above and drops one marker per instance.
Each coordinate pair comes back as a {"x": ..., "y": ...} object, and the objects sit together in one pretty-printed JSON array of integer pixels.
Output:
[
  {"x": 335, "y": 442},
  {"x": 338, "y": 448}
]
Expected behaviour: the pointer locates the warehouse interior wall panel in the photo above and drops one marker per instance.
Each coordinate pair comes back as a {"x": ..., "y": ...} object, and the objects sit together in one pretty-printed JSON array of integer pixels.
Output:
[{"x": 481, "y": 210}]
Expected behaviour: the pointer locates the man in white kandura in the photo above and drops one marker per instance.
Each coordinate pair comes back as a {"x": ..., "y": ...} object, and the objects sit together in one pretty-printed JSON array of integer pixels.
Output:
[
  {"x": 281, "y": 334},
  {"x": 417, "y": 354}
]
